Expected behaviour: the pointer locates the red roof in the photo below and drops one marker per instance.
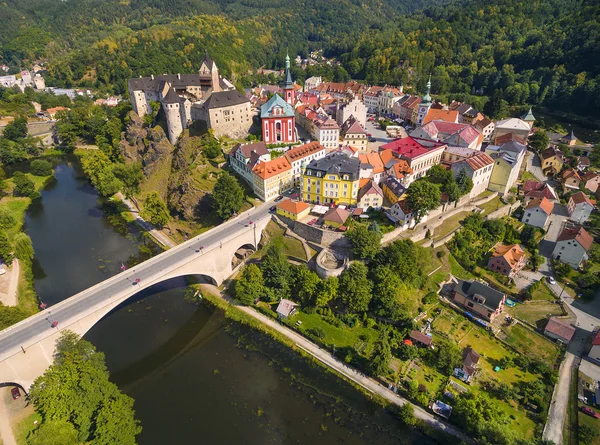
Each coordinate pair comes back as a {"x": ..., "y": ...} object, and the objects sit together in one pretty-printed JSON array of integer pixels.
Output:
[
  {"x": 410, "y": 147},
  {"x": 293, "y": 207},
  {"x": 420, "y": 337},
  {"x": 578, "y": 234},
  {"x": 581, "y": 197},
  {"x": 479, "y": 160},
  {"x": 596, "y": 340},
  {"x": 543, "y": 204},
  {"x": 561, "y": 329}
]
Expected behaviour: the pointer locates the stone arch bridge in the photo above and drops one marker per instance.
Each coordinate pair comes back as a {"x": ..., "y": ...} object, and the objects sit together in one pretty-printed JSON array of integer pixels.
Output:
[{"x": 27, "y": 348}]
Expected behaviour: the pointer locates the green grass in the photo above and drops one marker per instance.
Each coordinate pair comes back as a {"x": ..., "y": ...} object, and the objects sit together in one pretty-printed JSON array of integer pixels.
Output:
[
  {"x": 527, "y": 176},
  {"x": 488, "y": 276},
  {"x": 537, "y": 312},
  {"x": 338, "y": 336},
  {"x": 543, "y": 293},
  {"x": 449, "y": 225},
  {"x": 491, "y": 206},
  {"x": 532, "y": 344},
  {"x": 457, "y": 270},
  {"x": 24, "y": 426},
  {"x": 291, "y": 246},
  {"x": 584, "y": 419}
]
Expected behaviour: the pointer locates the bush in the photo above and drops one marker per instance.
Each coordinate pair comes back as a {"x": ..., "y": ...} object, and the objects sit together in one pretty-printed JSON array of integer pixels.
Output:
[
  {"x": 317, "y": 332},
  {"x": 23, "y": 185},
  {"x": 7, "y": 219},
  {"x": 441, "y": 254},
  {"x": 40, "y": 167},
  {"x": 430, "y": 298}
]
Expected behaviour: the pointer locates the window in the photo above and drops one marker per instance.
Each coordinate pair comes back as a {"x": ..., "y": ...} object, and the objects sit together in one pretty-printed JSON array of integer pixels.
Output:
[{"x": 470, "y": 304}]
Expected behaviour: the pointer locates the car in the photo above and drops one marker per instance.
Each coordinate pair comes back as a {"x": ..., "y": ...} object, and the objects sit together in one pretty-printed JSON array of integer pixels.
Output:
[
  {"x": 372, "y": 139},
  {"x": 551, "y": 280},
  {"x": 279, "y": 198},
  {"x": 15, "y": 393},
  {"x": 369, "y": 135},
  {"x": 590, "y": 412},
  {"x": 273, "y": 208}
]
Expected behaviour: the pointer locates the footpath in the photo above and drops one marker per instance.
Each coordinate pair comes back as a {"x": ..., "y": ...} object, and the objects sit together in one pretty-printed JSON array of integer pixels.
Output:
[{"x": 351, "y": 374}]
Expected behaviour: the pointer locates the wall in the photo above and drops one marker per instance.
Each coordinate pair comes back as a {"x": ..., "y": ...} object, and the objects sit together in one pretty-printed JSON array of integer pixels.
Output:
[
  {"x": 315, "y": 234},
  {"x": 325, "y": 272}
]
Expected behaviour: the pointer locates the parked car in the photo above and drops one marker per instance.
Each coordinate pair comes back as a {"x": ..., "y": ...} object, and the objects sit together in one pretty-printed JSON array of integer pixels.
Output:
[
  {"x": 279, "y": 198},
  {"x": 273, "y": 208},
  {"x": 15, "y": 393},
  {"x": 551, "y": 280},
  {"x": 372, "y": 139},
  {"x": 590, "y": 412}
]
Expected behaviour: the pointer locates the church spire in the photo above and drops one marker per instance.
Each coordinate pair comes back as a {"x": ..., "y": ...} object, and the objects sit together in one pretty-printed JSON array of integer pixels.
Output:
[
  {"x": 288, "y": 84},
  {"x": 427, "y": 98}
]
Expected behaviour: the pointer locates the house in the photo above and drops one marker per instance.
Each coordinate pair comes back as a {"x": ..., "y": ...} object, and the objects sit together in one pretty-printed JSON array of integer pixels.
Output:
[
  {"x": 479, "y": 168},
  {"x": 508, "y": 159},
  {"x": 451, "y": 133},
  {"x": 552, "y": 160},
  {"x": 392, "y": 189},
  {"x": 569, "y": 139},
  {"x": 271, "y": 178},
  {"x": 52, "y": 112},
  {"x": 571, "y": 179},
  {"x": 435, "y": 114},
  {"x": 243, "y": 158},
  {"x": 294, "y": 210},
  {"x": 354, "y": 108},
  {"x": 538, "y": 190},
  {"x": 286, "y": 308},
  {"x": 336, "y": 217},
  {"x": 536, "y": 212},
  {"x": 507, "y": 260},
  {"x": 479, "y": 298},
  {"x": 580, "y": 207},
  {"x": 591, "y": 181},
  {"x": 470, "y": 365},
  {"x": 354, "y": 134},
  {"x": 595, "y": 351},
  {"x": 312, "y": 83},
  {"x": 508, "y": 137},
  {"x": 559, "y": 330},
  {"x": 401, "y": 213},
  {"x": 398, "y": 168},
  {"x": 420, "y": 154},
  {"x": 370, "y": 195},
  {"x": 371, "y": 166},
  {"x": 420, "y": 338},
  {"x": 331, "y": 179},
  {"x": 486, "y": 127},
  {"x": 583, "y": 163},
  {"x": 513, "y": 125},
  {"x": 572, "y": 246},
  {"x": 301, "y": 155},
  {"x": 278, "y": 121}
]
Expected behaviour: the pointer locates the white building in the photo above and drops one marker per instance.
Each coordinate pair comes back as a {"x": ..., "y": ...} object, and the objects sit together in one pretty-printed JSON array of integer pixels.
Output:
[
  {"x": 572, "y": 246},
  {"x": 508, "y": 159},
  {"x": 244, "y": 157},
  {"x": 513, "y": 125},
  {"x": 301, "y": 155},
  {"x": 312, "y": 83},
  {"x": 580, "y": 207},
  {"x": 355, "y": 108},
  {"x": 479, "y": 168},
  {"x": 537, "y": 212}
]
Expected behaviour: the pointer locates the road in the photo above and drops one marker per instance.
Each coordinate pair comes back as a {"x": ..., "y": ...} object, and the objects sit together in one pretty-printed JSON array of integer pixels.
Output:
[
  {"x": 380, "y": 136},
  {"x": 25, "y": 331},
  {"x": 352, "y": 374},
  {"x": 534, "y": 166},
  {"x": 560, "y": 400}
]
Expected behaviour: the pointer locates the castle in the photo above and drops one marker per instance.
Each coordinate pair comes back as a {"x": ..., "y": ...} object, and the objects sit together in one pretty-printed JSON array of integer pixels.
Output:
[{"x": 186, "y": 98}]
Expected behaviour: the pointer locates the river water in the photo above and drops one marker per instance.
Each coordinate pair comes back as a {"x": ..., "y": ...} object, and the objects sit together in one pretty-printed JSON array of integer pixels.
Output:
[{"x": 196, "y": 377}]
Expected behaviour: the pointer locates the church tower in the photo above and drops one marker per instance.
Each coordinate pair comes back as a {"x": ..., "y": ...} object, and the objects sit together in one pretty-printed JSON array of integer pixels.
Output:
[
  {"x": 288, "y": 85},
  {"x": 425, "y": 104}
]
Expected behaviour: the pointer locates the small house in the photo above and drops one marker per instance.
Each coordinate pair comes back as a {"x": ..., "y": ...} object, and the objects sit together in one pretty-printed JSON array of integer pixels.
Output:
[
  {"x": 507, "y": 260},
  {"x": 294, "y": 210},
  {"x": 559, "y": 330},
  {"x": 571, "y": 179},
  {"x": 286, "y": 308},
  {"x": 478, "y": 298},
  {"x": 591, "y": 181},
  {"x": 572, "y": 246},
  {"x": 420, "y": 339},
  {"x": 470, "y": 365},
  {"x": 595, "y": 351},
  {"x": 537, "y": 212},
  {"x": 580, "y": 207},
  {"x": 336, "y": 217}
]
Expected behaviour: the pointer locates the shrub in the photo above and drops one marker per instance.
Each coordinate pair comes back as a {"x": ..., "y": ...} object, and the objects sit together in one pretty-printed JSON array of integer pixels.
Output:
[
  {"x": 430, "y": 298},
  {"x": 441, "y": 254},
  {"x": 7, "y": 219},
  {"x": 23, "y": 185},
  {"x": 317, "y": 332},
  {"x": 40, "y": 167}
]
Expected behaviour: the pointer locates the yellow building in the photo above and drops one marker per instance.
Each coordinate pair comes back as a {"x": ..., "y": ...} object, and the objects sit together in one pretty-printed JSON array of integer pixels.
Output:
[
  {"x": 271, "y": 178},
  {"x": 332, "y": 179},
  {"x": 294, "y": 210},
  {"x": 552, "y": 161}
]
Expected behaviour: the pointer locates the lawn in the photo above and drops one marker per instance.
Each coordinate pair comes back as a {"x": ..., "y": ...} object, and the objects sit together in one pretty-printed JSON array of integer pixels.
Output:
[
  {"x": 527, "y": 176},
  {"x": 449, "y": 225},
  {"x": 531, "y": 343},
  {"x": 537, "y": 312},
  {"x": 24, "y": 425},
  {"x": 491, "y": 206},
  {"x": 584, "y": 419},
  {"x": 291, "y": 246},
  {"x": 543, "y": 293}
]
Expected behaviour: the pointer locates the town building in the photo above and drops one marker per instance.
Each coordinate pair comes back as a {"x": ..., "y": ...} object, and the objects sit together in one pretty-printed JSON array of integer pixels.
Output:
[
  {"x": 478, "y": 298},
  {"x": 186, "y": 98},
  {"x": 459, "y": 135},
  {"x": 425, "y": 104},
  {"x": 528, "y": 118},
  {"x": 244, "y": 157},
  {"x": 580, "y": 207},
  {"x": 370, "y": 195},
  {"x": 355, "y": 108},
  {"x": 537, "y": 212},
  {"x": 508, "y": 159},
  {"x": 420, "y": 154},
  {"x": 336, "y": 217},
  {"x": 294, "y": 210},
  {"x": 569, "y": 139},
  {"x": 332, "y": 179},
  {"x": 400, "y": 213},
  {"x": 486, "y": 127},
  {"x": 371, "y": 99},
  {"x": 278, "y": 121},
  {"x": 591, "y": 181},
  {"x": 272, "y": 178},
  {"x": 594, "y": 353},
  {"x": 354, "y": 134},
  {"x": 52, "y": 112},
  {"x": 571, "y": 179},
  {"x": 301, "y": 155},
  {"x": 470, "y": 365},
  {"x": 409, "y": 108},
  {"x": 445, "y": 115},
  {"x": 507, "y": 260},
  {"x": 572, "y": 246},
  {"x": 506, "y": 138},
  {"x": 583, "y": 163},
  {"x": 312, "y": 83},
  {"x": 371, "y": 166},
  {"x": 387, "y": 97},
  {"x": 538, "y": 190},
  {"x": 552, "y": 160},
  {"x": 392, "y": 189},
  {"x": 512, "y": 125},
  {"x": 479, "y": 168},
  {"x": 559, "y": 330}
]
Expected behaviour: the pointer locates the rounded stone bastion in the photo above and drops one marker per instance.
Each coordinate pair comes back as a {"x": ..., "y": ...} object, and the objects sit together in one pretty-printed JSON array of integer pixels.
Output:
[{"x": 331, "y": 263}]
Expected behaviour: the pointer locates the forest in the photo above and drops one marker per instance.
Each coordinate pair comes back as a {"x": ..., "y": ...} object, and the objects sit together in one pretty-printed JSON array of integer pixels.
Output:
[{"x": 543, "y": 52}]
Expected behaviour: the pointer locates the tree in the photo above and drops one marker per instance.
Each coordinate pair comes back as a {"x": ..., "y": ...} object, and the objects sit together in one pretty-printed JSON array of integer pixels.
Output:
[
  {"x": 406, "y": 414},
  {"x": 587, "y": 434},
  {"x": 7, "y": 218},
  {"x": 5, "y": 248},
  {"x": 464, "y": 182},
  {"x": 23, "y": 247},
  {"x": 387, "y": 285},
  {"x": 131, "y": 176},
  {"x": 421, "y": 197},
  {"x": 401, "y": 257},
  {"x": 496, "y": 107},
  {"x": 382, "y": 354},
  {"x": 99, "y": 168},
  {"x": 54, "y": 432},
  {"x": 306, "y": 285},
  {"x": 76, "y": 389},
  {"x": 365, "y": 242},
  {"x": 277, "y": 271},
  {"x": 355, "y": 288},
  {"x": 23, "y": 185},
  {"x": 250, "y": 285},
  {"x": 327, "y": 291},
  {"x": 227, "y": 196},
  {"x": 211, "y": 146},
  {"x": 539, "y": 140},
  {"x": 155, "y": 210},
  {"x": 16, "y": 130},
  {"x": 453, "y": 191},
  {"x": 40, "y": 167}
]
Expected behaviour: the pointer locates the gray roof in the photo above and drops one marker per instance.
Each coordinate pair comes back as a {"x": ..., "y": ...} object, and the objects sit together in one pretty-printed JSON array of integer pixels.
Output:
[
  {"x": 225, "y": 99},
  {"x": 336, "y": 163},
  {"x": 176, "y": 80},
  {"x": 470, "y": 288},
  {"x": 394, "y": 185},
  {"x": 171, "y": 97}
]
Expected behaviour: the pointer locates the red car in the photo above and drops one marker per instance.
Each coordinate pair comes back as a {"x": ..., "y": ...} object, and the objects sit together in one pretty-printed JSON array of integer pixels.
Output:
[
  {"x": 590, "y": 412},
  {"x": 15, "y": 393}
]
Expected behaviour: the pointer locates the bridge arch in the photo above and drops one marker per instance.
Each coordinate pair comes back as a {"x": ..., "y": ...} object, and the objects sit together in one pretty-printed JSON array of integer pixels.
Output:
[{"x": 241, "y": 254}]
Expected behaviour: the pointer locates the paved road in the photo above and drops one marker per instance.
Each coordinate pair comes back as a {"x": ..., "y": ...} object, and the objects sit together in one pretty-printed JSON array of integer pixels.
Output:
[
  {"x": 380, "y": 136},
  {"x": 534, "y": 166},
  {"x": 25, "y": 332},
  {"x": 331, "y": 361}
]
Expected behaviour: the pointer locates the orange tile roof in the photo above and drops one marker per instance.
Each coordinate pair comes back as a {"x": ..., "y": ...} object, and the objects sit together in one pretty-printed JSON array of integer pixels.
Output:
[
  {"x": 543, "y": 204},
  {"x": 362, "y": 182},
  {"x": 386, "y": 156},
  {"x": 374, "y": 159},
  {"x": 512, "y": 253},
  {"x": 294, "y": 207},
  {"x": 443, "y": 115},
  {"x": 266, "y": 170},
  {"x": 302, "y": 151},
  {"x": 571, "y": 173},
  {"x": 508, "y": 137}
]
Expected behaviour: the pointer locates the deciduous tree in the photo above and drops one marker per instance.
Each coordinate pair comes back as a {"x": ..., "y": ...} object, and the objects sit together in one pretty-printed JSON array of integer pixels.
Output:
[
  {"x": 227, "y": 196},
  {"x": 250, "y": 286},
  {"x": 155, "y": 210},
  {"x": 327, "y": 291},
  {"x": 54, "y": 432},
  {"x": 365, "y": 243},
  {"x": 421, "y": 197},
  {"x": 355, "y": 288}
]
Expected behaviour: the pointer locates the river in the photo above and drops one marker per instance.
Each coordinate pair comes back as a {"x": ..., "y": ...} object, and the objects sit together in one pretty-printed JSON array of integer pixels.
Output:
[{"x": 196, "y": 376}]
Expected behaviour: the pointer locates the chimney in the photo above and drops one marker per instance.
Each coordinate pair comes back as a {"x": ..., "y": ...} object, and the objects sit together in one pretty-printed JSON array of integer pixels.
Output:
[
  {"x": 152, "y": 76},
  {"x": 179, "y": 76}
]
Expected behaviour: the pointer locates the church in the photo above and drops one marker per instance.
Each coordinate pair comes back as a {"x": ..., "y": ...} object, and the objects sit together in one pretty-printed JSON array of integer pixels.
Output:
[{"x": 186, "y": 98}]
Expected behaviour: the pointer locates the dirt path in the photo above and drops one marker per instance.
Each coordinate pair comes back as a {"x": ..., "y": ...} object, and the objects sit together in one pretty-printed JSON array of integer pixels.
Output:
[
  {"x": 6, "y": 432},
  {"x": 560, "y": 400},
  {"x": 14, "y": 284}
]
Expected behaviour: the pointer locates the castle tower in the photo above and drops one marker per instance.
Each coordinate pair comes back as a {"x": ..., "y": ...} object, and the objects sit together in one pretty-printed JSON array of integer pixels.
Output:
[
  {"x": 174, "y": 113},
  {"x": 210, "y": 73},
  {"x": 288, "y": 85},
  {"x": 425, "y": 104}
]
